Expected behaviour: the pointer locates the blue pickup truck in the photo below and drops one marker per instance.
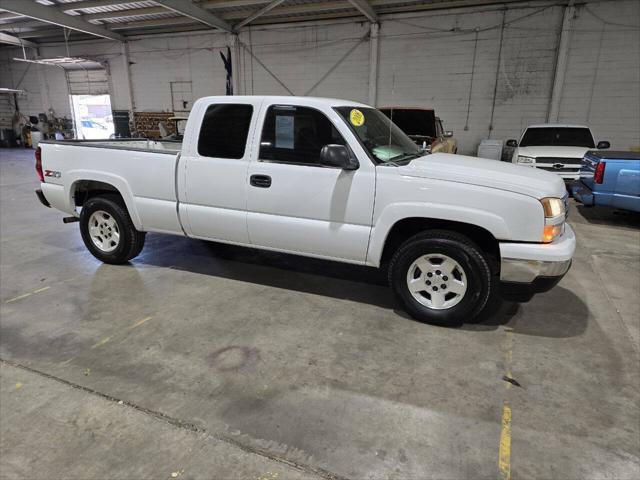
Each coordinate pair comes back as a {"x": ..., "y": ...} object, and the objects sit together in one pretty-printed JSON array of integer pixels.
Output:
[{"x": 610, "y": 179}]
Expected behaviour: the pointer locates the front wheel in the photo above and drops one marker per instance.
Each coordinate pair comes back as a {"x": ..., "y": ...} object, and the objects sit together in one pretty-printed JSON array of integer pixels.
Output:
[
  {"x": 441, "y": 277},
  {"x": 108, "y": 232}
]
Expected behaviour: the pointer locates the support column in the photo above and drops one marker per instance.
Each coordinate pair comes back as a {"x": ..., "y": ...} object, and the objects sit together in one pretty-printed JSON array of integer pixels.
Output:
[
  {"x": 235, "y": 63},
  {"x": 124, "y": 46},
  {"x": 561, "y": 63},
  {"x": 44, "y": 89},
  {"x": 373, "y": 63}
]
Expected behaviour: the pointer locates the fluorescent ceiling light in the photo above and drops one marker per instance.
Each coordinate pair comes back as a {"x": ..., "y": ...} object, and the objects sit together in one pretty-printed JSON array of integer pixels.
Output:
[{"x": 57, "y": 61}]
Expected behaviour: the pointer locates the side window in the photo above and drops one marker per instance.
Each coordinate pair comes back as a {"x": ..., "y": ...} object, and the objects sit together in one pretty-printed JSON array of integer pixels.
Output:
[
  {"x": 224, "y": 130},
  {"x": 296, "y": 135}
]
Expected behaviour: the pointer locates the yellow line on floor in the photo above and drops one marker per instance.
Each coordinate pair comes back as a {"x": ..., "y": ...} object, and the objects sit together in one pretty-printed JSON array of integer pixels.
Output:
[
  {"x": 504, "y": 451},
  {"x": 110, "y": 337},
  {"x": 140, "y": 322},
  {"x": 19, "y": 297},
  {"x": 504, "y": 454},
  {"x": 25, "y": 295},
  {"x": 101, "y": 342}
]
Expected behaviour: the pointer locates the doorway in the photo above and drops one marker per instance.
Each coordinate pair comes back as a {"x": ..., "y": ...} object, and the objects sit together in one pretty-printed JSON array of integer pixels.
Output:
[{"x": 92, "y": 116}]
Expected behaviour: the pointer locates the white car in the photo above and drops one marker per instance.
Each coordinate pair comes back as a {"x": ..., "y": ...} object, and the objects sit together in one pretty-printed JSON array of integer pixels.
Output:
[
  {"x": 556, "y": 148},
  {"x": 324, "y": 178}
]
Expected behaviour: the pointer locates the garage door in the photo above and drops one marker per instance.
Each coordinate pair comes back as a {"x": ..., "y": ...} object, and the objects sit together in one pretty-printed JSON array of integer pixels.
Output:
[{"x": 88, "y": 82}]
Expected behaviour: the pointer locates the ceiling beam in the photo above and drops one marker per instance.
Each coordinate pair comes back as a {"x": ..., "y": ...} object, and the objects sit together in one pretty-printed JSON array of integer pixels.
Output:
[
  {"x": 19, "y": 26},
  {"x": 55, "y": 16},
  {"x": 42, "y": 32},
  {"x": 188, "y": 9},
  {"x": 270, "y": 6},
  {"x": 9, "y": 16},
  {"x": 11, "y": 40},
  {"x": 153, "y": 22},
  {"x": 216, "y": 4},
  {"x": 366, "y": 9}
]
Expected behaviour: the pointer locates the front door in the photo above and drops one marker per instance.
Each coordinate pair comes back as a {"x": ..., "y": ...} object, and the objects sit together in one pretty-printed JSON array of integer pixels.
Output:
[{"x": 296, "y": 204}]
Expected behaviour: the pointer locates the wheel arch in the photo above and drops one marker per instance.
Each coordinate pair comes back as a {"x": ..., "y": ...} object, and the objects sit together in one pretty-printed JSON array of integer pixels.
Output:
[
  {"x": 405, "y": 228},
  {"x": 84, "y": 186}
]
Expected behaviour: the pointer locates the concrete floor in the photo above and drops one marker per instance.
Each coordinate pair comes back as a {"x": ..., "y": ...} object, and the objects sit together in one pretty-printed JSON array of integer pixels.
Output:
[{"x": 205, "y": 361}]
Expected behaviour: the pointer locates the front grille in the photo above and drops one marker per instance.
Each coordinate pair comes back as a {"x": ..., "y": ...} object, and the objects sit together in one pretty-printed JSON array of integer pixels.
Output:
[{"x": 567, "y": 161}]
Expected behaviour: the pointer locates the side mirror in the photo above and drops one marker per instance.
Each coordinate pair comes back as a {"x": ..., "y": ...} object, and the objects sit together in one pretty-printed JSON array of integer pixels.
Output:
[
  {"x": 338, "y": 156},
  {"x": 512, "y": 143},
  {"x": 448, "y": 134},
  {"x": 603, "y": 144}
]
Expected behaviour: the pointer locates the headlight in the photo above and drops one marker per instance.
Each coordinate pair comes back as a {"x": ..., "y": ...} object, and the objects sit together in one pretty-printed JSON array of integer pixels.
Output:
[
  {"x": 554, "y": 216},
  {"x": 553, "y": 207},
  {"x": 522, "y": 159}
]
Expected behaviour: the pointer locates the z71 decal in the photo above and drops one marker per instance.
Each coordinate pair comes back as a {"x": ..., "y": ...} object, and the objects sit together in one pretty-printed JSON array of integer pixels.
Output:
[{"x": 52, "y": 173}]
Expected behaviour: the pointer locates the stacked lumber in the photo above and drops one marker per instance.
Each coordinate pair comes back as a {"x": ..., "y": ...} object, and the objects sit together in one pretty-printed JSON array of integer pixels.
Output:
[{"x": 145, "y": 124}]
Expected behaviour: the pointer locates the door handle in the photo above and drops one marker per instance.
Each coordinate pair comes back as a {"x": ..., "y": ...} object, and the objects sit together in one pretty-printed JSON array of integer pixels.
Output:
[{"x": 262, "y": 181}]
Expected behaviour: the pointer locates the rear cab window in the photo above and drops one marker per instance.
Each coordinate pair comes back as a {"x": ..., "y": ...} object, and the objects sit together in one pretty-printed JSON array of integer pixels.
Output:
[{"x": 224, "y": 130}]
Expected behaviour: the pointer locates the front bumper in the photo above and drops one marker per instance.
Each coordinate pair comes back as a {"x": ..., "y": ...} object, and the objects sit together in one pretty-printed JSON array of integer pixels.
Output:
[{"x": 530, "y": 268}]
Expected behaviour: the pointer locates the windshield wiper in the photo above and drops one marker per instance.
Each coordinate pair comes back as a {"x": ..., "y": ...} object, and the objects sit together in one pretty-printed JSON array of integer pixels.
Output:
[{"x": 404, "y": 156}]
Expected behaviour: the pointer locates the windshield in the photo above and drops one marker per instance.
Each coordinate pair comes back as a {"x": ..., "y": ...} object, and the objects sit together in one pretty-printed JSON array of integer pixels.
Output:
[
  {"x": 383, "y": 140},
  {"x": 557, "y": 136},
  {"x": 414, "y": 122}
]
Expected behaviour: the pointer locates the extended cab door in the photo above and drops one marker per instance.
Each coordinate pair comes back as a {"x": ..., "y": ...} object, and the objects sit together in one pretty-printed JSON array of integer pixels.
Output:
[
  {"x": 297, "y": 205},
  {"x": 213, "y": 171}
]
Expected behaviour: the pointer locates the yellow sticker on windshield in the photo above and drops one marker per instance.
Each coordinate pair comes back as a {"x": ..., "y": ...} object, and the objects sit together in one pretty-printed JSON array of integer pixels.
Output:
[{"x": 356, "y": 117}]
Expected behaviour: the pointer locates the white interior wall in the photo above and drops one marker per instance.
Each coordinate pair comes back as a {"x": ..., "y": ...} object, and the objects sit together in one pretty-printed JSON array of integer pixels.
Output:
[
  {"x": 429, "y": 61},
  {"x": 602, "y": 83},
  {"x": 302, "y": 56},
  {"x": 425, "y": 58}
]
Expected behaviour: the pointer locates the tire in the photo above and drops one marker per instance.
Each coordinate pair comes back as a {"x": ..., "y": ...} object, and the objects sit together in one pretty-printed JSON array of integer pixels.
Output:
[
  {"x": 464, "y": 272},
  {"x": 107, "y": 230}
]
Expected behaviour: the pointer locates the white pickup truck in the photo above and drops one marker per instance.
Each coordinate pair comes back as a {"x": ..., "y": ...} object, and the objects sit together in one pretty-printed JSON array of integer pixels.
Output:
[
  {"x": 557, "y": 148},
  {"x": 324, "y": 178}
]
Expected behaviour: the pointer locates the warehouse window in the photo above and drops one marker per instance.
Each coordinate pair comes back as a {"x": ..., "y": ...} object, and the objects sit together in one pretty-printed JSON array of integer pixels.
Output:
[
  {"x": 224, "y": 130},
  {"x": 296, "y": 135}
]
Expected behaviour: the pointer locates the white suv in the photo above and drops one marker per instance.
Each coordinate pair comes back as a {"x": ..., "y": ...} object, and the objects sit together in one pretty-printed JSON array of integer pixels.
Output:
[{"x": 556, "y": 148}]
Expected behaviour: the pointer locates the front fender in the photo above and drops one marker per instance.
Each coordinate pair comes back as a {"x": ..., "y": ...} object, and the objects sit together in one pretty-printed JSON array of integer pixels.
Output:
[
  {"x": 119, "y": 183},
  {"x": 396, "y": 212}
]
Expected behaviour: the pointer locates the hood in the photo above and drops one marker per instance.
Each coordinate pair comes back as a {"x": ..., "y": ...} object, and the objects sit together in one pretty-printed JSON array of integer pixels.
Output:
[
  {"x": 486, "y": 173},
  {"x": 558, "y": 152}
]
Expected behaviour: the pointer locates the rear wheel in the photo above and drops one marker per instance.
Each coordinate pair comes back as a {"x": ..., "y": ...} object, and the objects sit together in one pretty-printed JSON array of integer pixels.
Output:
[
  {"x": 108, "y": 232},
  {"x": 441, "y": 277}
]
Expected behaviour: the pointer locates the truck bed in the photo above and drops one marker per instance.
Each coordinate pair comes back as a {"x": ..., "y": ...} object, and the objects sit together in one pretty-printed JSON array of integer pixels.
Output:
[
  {"x": 143, "y": 171},
  {"x": 134, "y": 144}
]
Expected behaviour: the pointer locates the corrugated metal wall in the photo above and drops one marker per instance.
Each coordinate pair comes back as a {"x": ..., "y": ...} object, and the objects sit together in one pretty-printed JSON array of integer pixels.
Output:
[{"x": 465, "y": 64}]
